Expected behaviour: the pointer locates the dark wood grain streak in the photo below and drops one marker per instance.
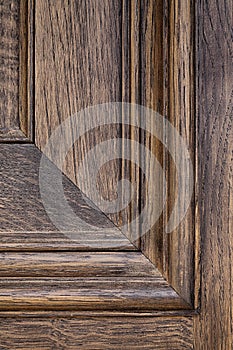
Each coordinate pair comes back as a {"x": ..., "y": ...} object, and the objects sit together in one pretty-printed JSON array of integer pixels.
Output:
[
  {"x": 97, "y": 333},
  {"x": 214, "y": 327},
  {"x": 20, "y": 196}
]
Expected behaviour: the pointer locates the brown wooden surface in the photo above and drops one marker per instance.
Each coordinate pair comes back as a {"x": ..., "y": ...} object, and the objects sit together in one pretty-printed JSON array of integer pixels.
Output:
[
  {"x": 9, "y": 54},
  {"x": 213, "y": 329},
  {"x": 99, "y": 293},
  {"x": 104, "y": 281},
  {"x": 75, "y": 264},
  {"x": 97, "y": 333},
  {"x": 15, "y": 121},
  {"x": 24, "y": 221},
  {"x": 129, "y": 61},
  {"x": 26, "y": 68},
  {"x": 181, "y": 247},
  {"x": 77, "y": 64}
]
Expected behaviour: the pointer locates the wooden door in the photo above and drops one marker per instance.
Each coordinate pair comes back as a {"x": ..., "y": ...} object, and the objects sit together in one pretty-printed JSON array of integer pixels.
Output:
[{"x": 75, "y": 276}]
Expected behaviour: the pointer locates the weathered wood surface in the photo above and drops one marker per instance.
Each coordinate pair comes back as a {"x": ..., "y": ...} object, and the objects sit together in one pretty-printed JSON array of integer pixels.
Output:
[
  {"x": 213, "y": 328},
  {"x": 9, "y": 63},
  {"x": 15, "y": 90},
  {"x": 97, "y": 333},
  {"x": 24, "y": 222},
  {"x": 92, "y": 293},
  {"x": 181, "y": 247},
  {"x": 78, "y": 64},
  {"x": 73, "y": 264},
  {"x": 139, "y": 51}
]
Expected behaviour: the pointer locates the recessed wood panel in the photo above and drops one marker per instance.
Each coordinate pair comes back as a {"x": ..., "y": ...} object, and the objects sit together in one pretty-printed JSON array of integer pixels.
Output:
[
  {"x": 77, "y": 65},
  {"x": 15, "y": 91},
  {"x": 9, "y": 68}
]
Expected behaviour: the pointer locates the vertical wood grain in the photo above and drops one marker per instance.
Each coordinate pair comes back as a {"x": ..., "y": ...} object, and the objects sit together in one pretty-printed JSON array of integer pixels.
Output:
[
  {"x": 162, "y": 77},
  {"x": 143, "y": 84},
  {"x": 78, "y": 64},
  {"x": 26, "y": 68},
  {"x": 9, "y": 55},
  {"x": 139, "y": 52},
  {"x": 214, "y": 327},
  {"x": 180, "y": 245},
  {"x": 16, "y": 110}
]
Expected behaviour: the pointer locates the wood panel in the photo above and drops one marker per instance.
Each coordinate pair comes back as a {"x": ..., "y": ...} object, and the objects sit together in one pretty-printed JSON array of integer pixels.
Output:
[
  {"x": 97, "y": 333},
  {"x": 14, "y": 121},
  {"x": 67, "y": 281},
  {"x": 25, "y": 223},
  {"x": 140, "y": 51},
  {"x": 78, "y": 64},
  {"x": 213, "y": 329},
  {"x": 9, "y": 45}
]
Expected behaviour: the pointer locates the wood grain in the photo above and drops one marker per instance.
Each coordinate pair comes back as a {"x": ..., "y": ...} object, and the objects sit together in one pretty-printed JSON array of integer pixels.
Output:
[
  {"x": 160, "y": 37},
  {"x": 181, "y": 247},
  {"x": 26, "y": 69},
  {"x": 15, "y": 120},
  {"x": 73, "y": 264},
  {"x": 97, "y": 333},
  {"x": 213, "y": 329},
  {"x": 20, "y": 196},
  {"x": 78, "y": 64},
  {"x": 9, "y": 54},
  {"x": 94, "y": 293},
  {"x": 140, "y": 52}
]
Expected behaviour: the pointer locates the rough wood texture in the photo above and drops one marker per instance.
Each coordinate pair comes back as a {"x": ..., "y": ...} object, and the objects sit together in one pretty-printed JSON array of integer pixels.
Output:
[
  {"x": 73, "y": 264},
  {"x": 14, "y": 120},
  {"x": 9, "y": 55},
  {"x": 97, "y": 333},
  {"x": 214, "y": 81},
  {"x": 78, "y": 64},
  {"x": 26, "y": 69},
  {"x": 24, "y": 221},
  {"x": 181, "y": 247},
  {"x": 99, "y": 293},
  {"x": 161, "y": 76},
  {"x": 97, "y": 61}
]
